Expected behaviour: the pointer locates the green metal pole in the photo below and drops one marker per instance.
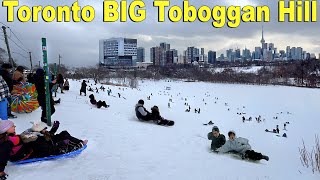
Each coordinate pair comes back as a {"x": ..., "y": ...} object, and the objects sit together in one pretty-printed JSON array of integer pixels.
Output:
[
  {"x": 55, "y": 75},
  {"x": 46, "y": 80}
]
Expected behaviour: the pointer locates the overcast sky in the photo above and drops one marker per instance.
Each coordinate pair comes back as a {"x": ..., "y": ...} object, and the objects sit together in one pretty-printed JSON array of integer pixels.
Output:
[{"x": 78, "y": 43}]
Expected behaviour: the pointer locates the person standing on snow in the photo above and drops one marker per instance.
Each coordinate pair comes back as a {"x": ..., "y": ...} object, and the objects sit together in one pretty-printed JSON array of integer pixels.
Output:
[
  {"x": 217, "y": 139},
  {"x": 83, "y": 88},
  {"x": 40, "y": 86},
  {"x": 5, "y": 73},
  {"x": 241, "y": 146},
  {"x": 60, "y": 82}
]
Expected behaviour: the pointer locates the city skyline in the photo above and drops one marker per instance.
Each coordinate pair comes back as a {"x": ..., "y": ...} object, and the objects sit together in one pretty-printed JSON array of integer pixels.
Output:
[{"x": 78, "y": 42}]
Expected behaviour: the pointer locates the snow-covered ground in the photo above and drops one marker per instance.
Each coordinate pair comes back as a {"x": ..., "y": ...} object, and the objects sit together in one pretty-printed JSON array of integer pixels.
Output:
[
  {"x": 250, "y": 69},
  {"x": 120, "y": 147}
]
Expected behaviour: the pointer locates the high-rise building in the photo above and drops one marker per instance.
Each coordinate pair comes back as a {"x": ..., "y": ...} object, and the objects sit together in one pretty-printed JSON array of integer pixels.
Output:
[
  {"x": 237, "y": 53},
  {"x": 140, "y": 54},
  {"x": 212, "y": 57},
  {"x": 299, "y": 52},
  {"x": 192, "y": 54},
  {"x": 293, "y": 53},
  {"x": 175, "y": 52},
  {"x": 157, "y": 56},
  {"x": 165, "y": 46},
  {"x": 288, "y": 53},
  {"x": 169, "y": 57},
  {"x": 118, "y": 52},
  {"x": 202, "y": 51},
  {"x": 319, "y": 56},
  {"x": 257, "y": 53},
  {"x": 246, "y": 54}
]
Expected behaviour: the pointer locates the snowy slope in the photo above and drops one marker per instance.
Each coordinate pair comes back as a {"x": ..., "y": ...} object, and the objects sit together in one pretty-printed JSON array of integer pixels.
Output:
[{"x": 120, "y": 147}]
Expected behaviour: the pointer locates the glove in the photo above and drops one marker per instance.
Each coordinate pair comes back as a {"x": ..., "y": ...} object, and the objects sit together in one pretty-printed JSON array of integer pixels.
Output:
[{"x": 56, "y": 124}]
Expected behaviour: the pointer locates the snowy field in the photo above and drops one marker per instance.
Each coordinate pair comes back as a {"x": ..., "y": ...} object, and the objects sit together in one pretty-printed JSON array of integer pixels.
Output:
[{"x": 122, "y": 148}]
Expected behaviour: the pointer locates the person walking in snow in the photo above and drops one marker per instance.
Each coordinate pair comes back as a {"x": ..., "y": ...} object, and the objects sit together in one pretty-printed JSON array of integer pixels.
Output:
[
  {"x": 217, "y": 139},
  {"x": 241, "y": 146},
  {"x": 83, "y": 88}
]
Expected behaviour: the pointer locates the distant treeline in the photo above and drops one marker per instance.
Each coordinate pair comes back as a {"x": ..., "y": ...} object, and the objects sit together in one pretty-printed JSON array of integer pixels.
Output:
[{"x": 288, "y": 73}]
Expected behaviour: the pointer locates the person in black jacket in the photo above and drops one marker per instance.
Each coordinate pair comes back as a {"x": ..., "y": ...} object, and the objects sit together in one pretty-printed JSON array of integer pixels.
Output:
[
  {"x": 83, "y": 88},
  {"x": 217, "y": 139},
  {"x": 5, "y": 73},
  {"x": 60, "y": 82},
  {"x": 40, "y": 86}
]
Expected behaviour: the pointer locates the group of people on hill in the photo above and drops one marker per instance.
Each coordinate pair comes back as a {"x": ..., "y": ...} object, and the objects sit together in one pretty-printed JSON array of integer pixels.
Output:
[
  {"x": 35, "y": 142},
  {"x": 235, "y": 144}
]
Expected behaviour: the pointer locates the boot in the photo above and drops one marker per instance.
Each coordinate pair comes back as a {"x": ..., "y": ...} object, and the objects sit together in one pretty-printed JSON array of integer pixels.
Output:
[{"x": 265, "y": 157}]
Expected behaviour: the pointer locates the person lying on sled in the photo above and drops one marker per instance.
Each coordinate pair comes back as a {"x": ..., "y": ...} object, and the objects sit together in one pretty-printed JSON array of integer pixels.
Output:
[{"x": 45, "y": 143}]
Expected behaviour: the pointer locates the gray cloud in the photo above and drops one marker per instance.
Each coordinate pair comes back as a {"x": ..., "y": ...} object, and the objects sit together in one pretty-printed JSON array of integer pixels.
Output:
[{"x": 78, "y": 42}]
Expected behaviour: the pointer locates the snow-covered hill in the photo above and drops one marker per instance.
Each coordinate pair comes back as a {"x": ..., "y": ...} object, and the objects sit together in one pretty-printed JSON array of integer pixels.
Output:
[{"x": 120, "y": 147}]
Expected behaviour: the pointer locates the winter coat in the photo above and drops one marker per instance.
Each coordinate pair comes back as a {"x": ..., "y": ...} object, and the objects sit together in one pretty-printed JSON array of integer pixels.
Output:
[
  {"x": 40, "y": 86},
  {"x": 83, "y": 87},
  {"x": 60, "y": 79},
  {"x": 141, "y": 112},
  {"x": 19, "y": 151},
  {"x": 18, "y": 77},
  {"x": 217, "y": 142},
  {"x": 4, "y": 89},
  {"x": 7, "y": 77},
  {"x": 5, "y": 148},
  {"x": 239, "y": 145},
  {"x": 42, "y": 144}
]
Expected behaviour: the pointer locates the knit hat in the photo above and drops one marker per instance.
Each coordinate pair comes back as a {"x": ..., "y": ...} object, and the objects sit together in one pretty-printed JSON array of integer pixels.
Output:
[
  {"x": 40, "y": 72},
  {"x": 38, "y": 126},
  {"x": 215, "y": 128},
  {"x": 231, "y": 132},
  {"x": 141, "y": 102},
  {"x": 5, "y": 125}
]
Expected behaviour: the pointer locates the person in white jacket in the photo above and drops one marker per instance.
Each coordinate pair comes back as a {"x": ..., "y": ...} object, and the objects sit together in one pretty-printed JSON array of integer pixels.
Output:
[{"x": 241, "y": 146}]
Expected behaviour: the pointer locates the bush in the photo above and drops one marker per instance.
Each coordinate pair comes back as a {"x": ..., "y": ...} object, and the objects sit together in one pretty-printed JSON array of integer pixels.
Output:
[{"x": 311, "y": 159}]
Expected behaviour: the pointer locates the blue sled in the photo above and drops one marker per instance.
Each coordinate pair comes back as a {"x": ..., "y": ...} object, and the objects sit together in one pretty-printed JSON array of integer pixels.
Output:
[{"x": 67, "y": 155}]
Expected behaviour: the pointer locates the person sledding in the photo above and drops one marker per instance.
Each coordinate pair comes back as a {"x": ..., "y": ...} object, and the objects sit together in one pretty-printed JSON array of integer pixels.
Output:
[
  {"x": 217, "y": 139},
  {"x": 144, "y": 115},
  {"x": 14, "y": 147},
  {"x": 240, "y": 146},
  {"x": 99, "y": 103},
  {"x": 11, "y": 146},
  {"x": 46, "y": 143}
]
